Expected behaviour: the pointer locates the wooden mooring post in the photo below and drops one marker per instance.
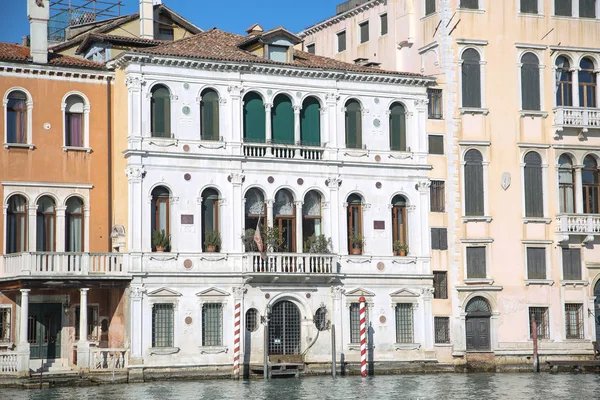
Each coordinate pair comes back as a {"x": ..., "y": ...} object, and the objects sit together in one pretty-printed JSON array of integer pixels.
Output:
[
  {"x": 534, "y": 337},
  {"x": 333, "y": 366}
]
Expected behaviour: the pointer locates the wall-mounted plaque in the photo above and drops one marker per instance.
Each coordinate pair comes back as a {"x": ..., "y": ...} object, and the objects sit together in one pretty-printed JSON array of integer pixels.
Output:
[
  {"x": 187, "y": 219},
  {"x": 378, "y": 224}
]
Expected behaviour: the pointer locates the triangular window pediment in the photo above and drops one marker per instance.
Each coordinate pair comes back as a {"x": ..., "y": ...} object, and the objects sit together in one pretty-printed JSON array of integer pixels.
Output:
[
  {"x": 405, "y": 293},
  {"x": 164, "y": 292},
  {"x": 360, "y": 292},
  {"x": 212, "y": 292}
]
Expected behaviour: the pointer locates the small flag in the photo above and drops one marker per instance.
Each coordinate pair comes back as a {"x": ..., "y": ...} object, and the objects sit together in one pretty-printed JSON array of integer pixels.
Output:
[{"x": 258, "y": 240}]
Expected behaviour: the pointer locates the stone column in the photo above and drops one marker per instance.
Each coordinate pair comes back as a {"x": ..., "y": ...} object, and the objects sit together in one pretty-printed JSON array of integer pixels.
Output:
[
  {"x": 23, "y": 346},
  {"x": 136, "y": 294},
  {"x": 299, "y": 238},
  {"x": 577, "y": 188},
  {"x": 297, "y": 136},
  {"x": 60, "y": 229},
  {"x": 83, "y": 346},
  {"x": 268, "y": 127},
  {"x": 86, "y": 229},
  {"x": 423, "y": 218},
  {"x": 238, "y": 211},
  {"x": 336, "y": 318},
  {"x": 336, "y": 230},
  {"x": 270, "y": 213},
  {"x": 31, "y": 225},
  {"x": 236, "y": 107},
  {"x": 428, "y": 319},
  {"x": 420, "y": 141},
  {"x": 575, "y": 83},
  {"x": 135, "y": 175},
  {"x": 330, "y": 120}
]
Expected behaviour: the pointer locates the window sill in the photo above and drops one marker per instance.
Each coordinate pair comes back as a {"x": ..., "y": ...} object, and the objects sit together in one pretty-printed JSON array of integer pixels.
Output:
[
  {"x": 423, "y": 18},
  {"x": 479, "y": 281},
  {"x": 471, "y": 10},
  {"x": 407, "y": 346},
  {"x": 358, "y": 258},
  {"x": 548, "y": 282},
  {"x": 435, "y": 118},
  {"x": 163, "y": 351},
  {"x": 536, "y": 220},
  {"x": 214, "y": 144},
  {"x": 19, "y": 146},
  {"x": 477, "y": 219},
  {"x": 213, "y": 349},
  {"x": 474, "y": 110},
  {"x": 75, "y": 148},
  {"x": 404, "y": 260},
  {"x": 354, "y": 347},
  {"x": 574, "y": 283},
  {"x": 533, "y": 114},
  {"x": 530, "y": 15},
  {"x": 162, "y": 141},
  {"x": 442, "y": 344}
]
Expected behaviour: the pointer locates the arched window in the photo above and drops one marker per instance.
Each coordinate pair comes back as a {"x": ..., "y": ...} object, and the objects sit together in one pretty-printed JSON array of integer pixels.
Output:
[
  {"x": 282, "y": 120},
  {"x": 587, "y": 83},
  {"x": 471, "y": 79},
  {"x": 254, "y": 118},
  {"x": 399, "y": 223},
  {"x": 311, "y": 216},
  {"x": 564, "y": 87},
  {"x": 533, "y": 185},
  {"x": 210, "y": 218},
  {"x": 74, "y": 121},
  {"x": 16, "y": 224},
  {"x": 252, "y": 320},
  {"x": 566, "y": 185},
  {"x": 209, "y": 115},
  {"x": 355, "y": 226},
  {"x": 255, "y": 211},
  {"x": 46, "y": 224},
  {"x": 530, "y": 82},
  {"x": 590, "y": 177},
  {"x": 16, "y": 117},
  {"x": 284, "y": 212},
  {"x": 310, "y": 122},
  {"x": 473, "y": 183},
  {"x": 74, "y": 225},
  {"x": 161, "y": 111},
  {"x": 353, "y": 124},
  {"x": 160, "y": 220},
  {"x": 397, "y": 127}
]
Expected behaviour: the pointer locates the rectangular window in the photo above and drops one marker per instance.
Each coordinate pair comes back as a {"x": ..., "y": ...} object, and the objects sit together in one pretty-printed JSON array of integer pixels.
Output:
[
  {"x": 166, "y": 34},
  {"x": 341, "y": 41},
  {"x": 92, "y": 323},
  {"x": 587, "y": 8},
  {"x": 440, "y": 285},
  {"x": 355, "y": 322},
  {"x": 536, "y": 263},
  {"x": 384, "y": 24},
  {"x": 476, "y": 263},
  {"x": 436, "y": 145},
  {"x": 439, "y": 239},
  {"x": 311, "y": 48},
  {"x": 571, "y": 259},
  {"x": 529, "y": 6},
  {"x": 16, "y": 118},
  {"x": 435, "y": 103},
  {"x": 437, "y": 195},
  {"x": 540, "y": 316},
  {"x": 364, "y": 32},
  {"x": 212, "y": 324},
  {"x": 162, "y": 325},
  {"x": 442, "y": 330},
  {"x": 5, "y": 325},
  {"x": 429, "y": 7},
  {"x": 469, "y": 4},
  {"x": 74, "y": 128},
  {"x": 563, "y": 8},
  {"x": 278, "y": 53},
  {"x": 404, "y": 323},
  {"x": 574, "y": 321}
]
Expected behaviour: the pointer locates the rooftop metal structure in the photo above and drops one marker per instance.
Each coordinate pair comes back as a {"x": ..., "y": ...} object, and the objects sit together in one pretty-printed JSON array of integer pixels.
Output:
[
  {"x": 67, "y": 13},
  {"x": 348, "y": 5}
]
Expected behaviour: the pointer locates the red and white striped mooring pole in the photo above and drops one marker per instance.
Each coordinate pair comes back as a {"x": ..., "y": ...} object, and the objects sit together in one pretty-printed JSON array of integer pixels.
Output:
[
  {"x": 363, "y": 337},
  {"x": 236, "y": 341}
]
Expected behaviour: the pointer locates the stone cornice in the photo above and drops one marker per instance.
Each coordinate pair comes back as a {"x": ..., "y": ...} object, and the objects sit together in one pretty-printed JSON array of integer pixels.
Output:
[
  {"x": 50, "y": 72},
  {"x": 340, "y": 17}
]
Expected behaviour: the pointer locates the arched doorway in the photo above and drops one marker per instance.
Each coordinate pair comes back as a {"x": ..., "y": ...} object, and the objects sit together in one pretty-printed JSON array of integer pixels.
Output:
[
  {"x": 478, "y": 324},
  {"x": 284, "y": 329},
  {"x": 597, "y": 309}
]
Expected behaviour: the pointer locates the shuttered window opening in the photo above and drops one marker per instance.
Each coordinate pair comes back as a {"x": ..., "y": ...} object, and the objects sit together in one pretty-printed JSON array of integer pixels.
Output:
[
  {"x": 429, "y": 7},
  {"x": 384, "y": 24},
  {"x": 364, "y": 32},
  {"x": 530, "y": 82},
  {"x": 587, "y": 83},
  {"x": 533, "y": 186},
  {"x": 471, "y": 79},
  {"x": 341, "y": 41},
  {"x": 587, "y": 8},
  {"x": 476, "y": 263},
  {"x": 311, "y": 48},
  {"x": 162, "y": 325},
  {"x": 529, "y": 6},
  {"x": 404, "y": 323},
  {"x": 353, "y": 124},
  {"x": 355, "y": 322},
  {"x": 442, "y": 330},
  {"x": 439, "y": 239},
  {"x": 310, "y": 122},
  {"x": 209, "y": 115},
  {"x": 564, "y": 86},
  {"x": 473, "y": 183},
  {"x": 469, "y": 4},
  {"x": 571, "y": 259},
  {"x": 563, "y": 7},
  {"x": 437, "y": 193},
  {"x": 536, "y": 263},
  {"x": 282, "y": 120},
  {"x": 436, "y": 144},
  {"x": 212, "y": 324},
  {"x": 574, "y": 321},
  {"x": 434, "y": 107},
  {"x": 160, "y": 112},
  {"x": 540, "y": 316},
  {"x": 440, "y": 285},
  {"x": 254, "y": 118},
  {"x": 397, "y": 127}
]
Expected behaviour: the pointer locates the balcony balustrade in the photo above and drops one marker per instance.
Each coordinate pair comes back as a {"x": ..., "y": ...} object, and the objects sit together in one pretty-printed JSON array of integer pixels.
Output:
[
  {"x": 587, "y": 225},
  {"x": 283, "y": 151},
  {"x": 8, "y": 361},
  {"x": 291, "y": 263},
  {"x": 108, "y": 359},
  {"x": 576, "y": 117}
]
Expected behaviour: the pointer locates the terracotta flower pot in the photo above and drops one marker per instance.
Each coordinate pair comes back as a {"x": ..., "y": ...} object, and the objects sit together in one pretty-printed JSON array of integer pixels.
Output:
[
  {"x": 402, "y": 253},
  {"x": 160, "y": 249},
  {"x": 211, "y": 249},
  {"x": 355, "y": 250}
]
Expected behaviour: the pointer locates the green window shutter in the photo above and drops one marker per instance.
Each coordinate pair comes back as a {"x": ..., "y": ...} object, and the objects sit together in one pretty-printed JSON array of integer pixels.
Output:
[
  {"x": 282, "y": 118},
  {"x": 254, "y": 118},
  {"x": 310, "y": 122},
  {"x": 353, "y": 125},
  {"x": 397, "y": 127}
]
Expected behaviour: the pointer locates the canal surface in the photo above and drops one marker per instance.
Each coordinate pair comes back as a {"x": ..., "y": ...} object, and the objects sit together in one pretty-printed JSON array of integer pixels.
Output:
[{"x": 440, "y": 386}]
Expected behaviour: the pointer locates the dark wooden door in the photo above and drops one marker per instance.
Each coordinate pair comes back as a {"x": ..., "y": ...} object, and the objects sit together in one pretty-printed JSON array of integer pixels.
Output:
[
  {"x": 45, "y": 324},
  {"x": 478, "y": 333}
]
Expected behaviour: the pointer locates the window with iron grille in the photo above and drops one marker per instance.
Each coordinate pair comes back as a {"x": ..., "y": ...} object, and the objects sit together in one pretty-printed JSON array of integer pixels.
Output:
[
  {"x": 162, "y": 325},
  {"x": 5, "y": 325},
  {"x": 439, "y": 239},
  {"x": 469, "y": 4},
  {"x": 355, "y": 322},
  {"x": 92, "y": 323},
  {"x": 364, "y": 32},
  {"x": 320, "y": 319},
  {"x": 438, "y": 196},
  {"x": 429, "y": 7},
  {"x": 436, "y": 144},
  {"x": 476, "y": 263},
  {"x": 311, "y": 48},
  {"x": 341, "y": 41},
  {"x": 563, "y": 7},
  {"x": 440, "y": 285},
  {"x": 435, "y": 103},
  {"x": 212, "y": 324},
  {"x": 384, "y": 24},
  {"x": 404, "y": 323},
  {"x": 571, "y": 259},
  {"x": 574, "y": 321},
  {"x": 252, "y": 320},
  {"x": 540, "y": 316},
  {"x": 536, "y": 263},
  {"x": 529, "y": 6},
  {"x": 442, "y": 330}
]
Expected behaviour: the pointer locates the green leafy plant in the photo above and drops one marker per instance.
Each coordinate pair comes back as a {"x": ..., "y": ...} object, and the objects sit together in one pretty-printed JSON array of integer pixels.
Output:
[
  {"x": 357, "y": 240},
  {"x": 318, "y": 244},
  {"x": 212, "y": 240},
  {"x": 271, "y": 238},
  {"x": 160, "y": 240}
]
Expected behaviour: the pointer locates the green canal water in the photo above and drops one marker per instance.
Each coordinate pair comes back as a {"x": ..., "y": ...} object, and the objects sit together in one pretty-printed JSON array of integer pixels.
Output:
[{"x": 440, "y": 386}]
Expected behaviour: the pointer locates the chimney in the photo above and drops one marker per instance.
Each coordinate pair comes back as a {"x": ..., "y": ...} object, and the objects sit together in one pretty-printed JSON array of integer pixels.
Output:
[
  {"x": 147, "y": 19},
  {"x": 254, "y": 30},
  {"x": 38, "y": 12}
]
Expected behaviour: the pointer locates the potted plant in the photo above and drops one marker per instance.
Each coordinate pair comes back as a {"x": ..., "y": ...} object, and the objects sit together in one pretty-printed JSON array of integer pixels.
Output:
[
  {"x": 212, "y": 241},
  {"x": 248, "y": 239},
  {"x": 318, "y": 245},
  {"x": 160, "y": 240},
  {"x": 396, "y": 246},
  {"x": 357, "y": 241},
  {"x": 402, "y": 249}
]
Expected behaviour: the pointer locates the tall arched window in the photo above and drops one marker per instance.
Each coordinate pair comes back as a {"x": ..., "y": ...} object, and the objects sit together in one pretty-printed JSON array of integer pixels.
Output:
[
  {"x": 16, "y": 117},
  {"x": 210, "y": 214},
  {"x": 159, "y": 216},
  {"x": 46, "y": 224},
  {"x": 282, "y": 120},
  {"x": 355, "y": 225},
  {"x": 255, "y": 211},
  {"x": 74, "y": 225},
  {"x": 587, "y": 83},
  {"x": 74, "y": 121},
  {"x": 284, "y": 213},
  {"x": 16, "y": 224},
  {"x": 566, "y": 185},
  {"x": 209, "y": 115},
  {"x": 590, "y": 177},
  {"x": 399, "y": 222},
  {"x": 311, "y": 216},
  {"x": 564, "y": 87},
  {"x": 473, "y": 183},
  {"x": 397, "y": 127},
  {"x": 353, "y": 124},
  {"x": 310, "y": 122},
  {"x": 161, "y": 111},
  {"x": 530, "y": 82},
  {"x": 533, "y": 185},
  {"x": 471, "y": 79},
  {"x": 254, "y": 118}
]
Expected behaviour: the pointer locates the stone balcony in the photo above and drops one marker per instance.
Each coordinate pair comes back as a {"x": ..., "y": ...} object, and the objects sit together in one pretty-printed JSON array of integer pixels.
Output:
[
  {"x": 581, "y": 118},
  {"x": 262, "y": 150},
  {"x": 587, "y": 225}
]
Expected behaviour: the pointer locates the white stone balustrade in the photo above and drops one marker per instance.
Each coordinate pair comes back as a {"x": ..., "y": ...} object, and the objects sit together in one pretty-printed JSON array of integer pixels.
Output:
[
  {"x": 578, "y": 224},
  {"x": 108, "y": 359},
  {"x": 8, "y": 362},
  {"x": 283, "y": 151},
  {"x": 577, "y": 117},
  {"x": 291, "y": 263}
]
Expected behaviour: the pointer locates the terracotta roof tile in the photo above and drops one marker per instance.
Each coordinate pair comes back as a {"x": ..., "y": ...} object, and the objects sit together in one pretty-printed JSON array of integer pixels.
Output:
[
  {"x": 21, "y": 54},
  {"x": 115, "y": 39}
]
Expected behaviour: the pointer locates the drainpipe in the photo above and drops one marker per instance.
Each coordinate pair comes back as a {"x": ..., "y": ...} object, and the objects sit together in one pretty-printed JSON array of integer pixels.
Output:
[{"x": 109, "y": 157}]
